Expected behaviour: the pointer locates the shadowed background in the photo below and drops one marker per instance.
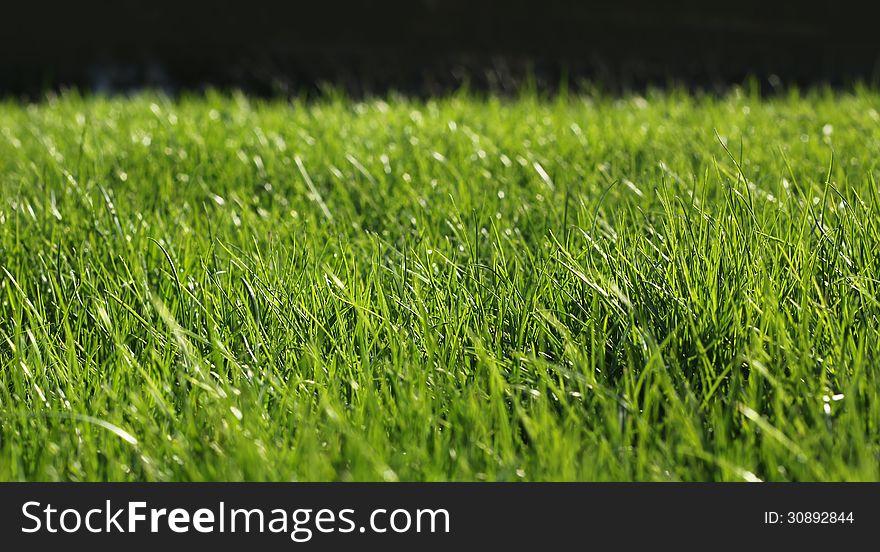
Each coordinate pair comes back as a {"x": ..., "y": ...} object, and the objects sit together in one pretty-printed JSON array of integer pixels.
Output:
[{"x": 426, "y": 46}]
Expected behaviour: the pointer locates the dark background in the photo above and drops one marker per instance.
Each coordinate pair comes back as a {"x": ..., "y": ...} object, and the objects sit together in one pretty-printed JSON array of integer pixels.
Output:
[{"x": 429, "y": 46}]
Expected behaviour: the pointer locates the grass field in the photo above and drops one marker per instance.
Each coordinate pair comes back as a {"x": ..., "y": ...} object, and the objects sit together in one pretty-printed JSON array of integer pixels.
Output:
[{"x": 667, "y": 287}]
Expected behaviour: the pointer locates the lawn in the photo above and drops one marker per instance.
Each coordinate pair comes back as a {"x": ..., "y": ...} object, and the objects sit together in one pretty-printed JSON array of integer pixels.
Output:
[{"x": 665, "y": 286}]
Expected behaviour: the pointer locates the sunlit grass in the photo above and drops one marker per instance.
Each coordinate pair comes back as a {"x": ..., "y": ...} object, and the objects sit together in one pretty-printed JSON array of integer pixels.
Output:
[{"x": 661, "y": 288}]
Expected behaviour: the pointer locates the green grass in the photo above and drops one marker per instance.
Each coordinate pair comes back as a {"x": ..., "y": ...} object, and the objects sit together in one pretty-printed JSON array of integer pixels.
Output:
[{"x": 673, "y": 287}]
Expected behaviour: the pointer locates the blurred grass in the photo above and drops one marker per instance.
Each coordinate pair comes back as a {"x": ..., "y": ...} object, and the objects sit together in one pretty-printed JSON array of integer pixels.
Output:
[{"x": 667, "y": 287}]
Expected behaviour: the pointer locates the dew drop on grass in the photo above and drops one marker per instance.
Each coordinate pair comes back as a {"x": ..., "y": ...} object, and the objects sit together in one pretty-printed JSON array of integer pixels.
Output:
[
  {"x": 635, "y": 189},
  {"x": 750, "y": 477}
]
